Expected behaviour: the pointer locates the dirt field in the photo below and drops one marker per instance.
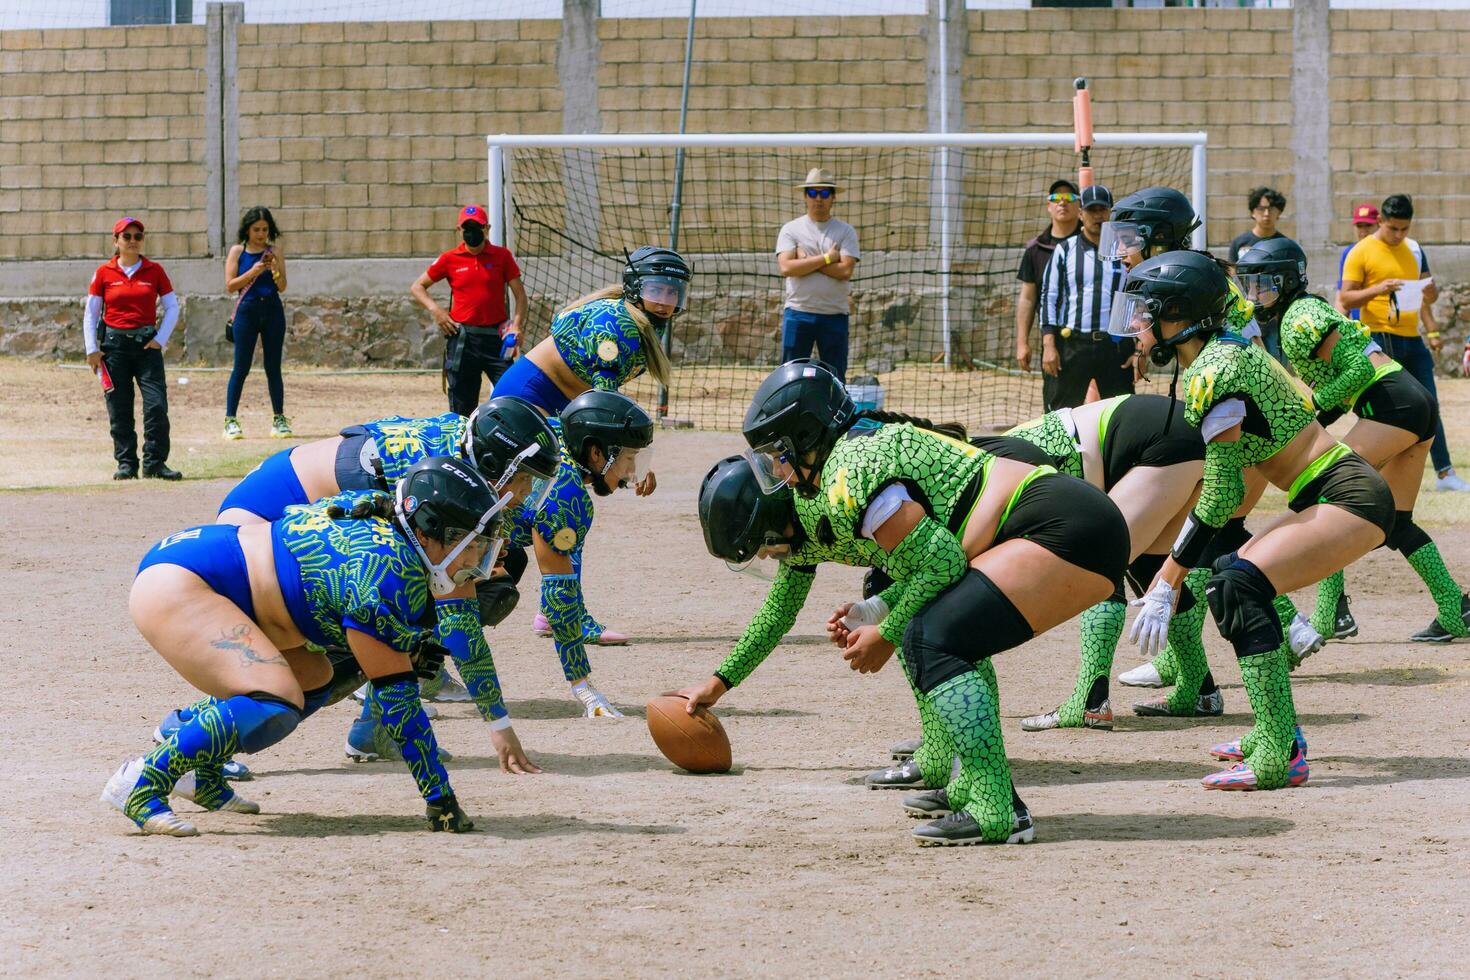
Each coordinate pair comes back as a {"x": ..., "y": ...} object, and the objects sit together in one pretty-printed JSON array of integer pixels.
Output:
[{"x": 612, "y": 863}]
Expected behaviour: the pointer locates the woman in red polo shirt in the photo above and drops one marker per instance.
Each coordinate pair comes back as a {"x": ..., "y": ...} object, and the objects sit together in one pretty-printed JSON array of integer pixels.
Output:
[
  {"x": 481, "y": 338},
  {"x": 121, "y": 332}
]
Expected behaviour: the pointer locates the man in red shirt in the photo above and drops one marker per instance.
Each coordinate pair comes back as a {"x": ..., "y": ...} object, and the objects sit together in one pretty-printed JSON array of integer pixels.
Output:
[{"x": 481, "y": 338}]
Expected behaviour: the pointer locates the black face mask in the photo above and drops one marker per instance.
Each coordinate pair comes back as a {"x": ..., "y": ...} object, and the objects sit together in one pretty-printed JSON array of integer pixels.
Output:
[{"x": 474, "y": 235}]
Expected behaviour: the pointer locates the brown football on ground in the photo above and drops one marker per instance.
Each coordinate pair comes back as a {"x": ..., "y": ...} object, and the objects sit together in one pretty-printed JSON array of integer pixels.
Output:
[{"x": 696, "y": 742}]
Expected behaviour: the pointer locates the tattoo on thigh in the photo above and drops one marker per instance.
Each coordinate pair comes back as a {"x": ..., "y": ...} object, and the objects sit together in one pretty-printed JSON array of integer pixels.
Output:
[{"x": 237, "y": 639}]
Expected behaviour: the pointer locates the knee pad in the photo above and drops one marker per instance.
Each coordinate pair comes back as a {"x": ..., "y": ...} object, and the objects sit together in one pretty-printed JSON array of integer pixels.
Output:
[
  {"x": 1240, "y": 598},
  {"x": 498, "y": 597},
  {"x": 969, "y": 622},
  {"x": 1406, "y": 536},
  {"x": 875, "y": 582},
  {"x": 514, "y": 562},
  {"x": 261, "y": 720},
  {"x": 1141, "y": 574}
]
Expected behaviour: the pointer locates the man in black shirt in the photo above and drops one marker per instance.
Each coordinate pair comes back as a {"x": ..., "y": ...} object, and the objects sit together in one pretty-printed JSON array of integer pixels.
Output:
[{"x": 1062, "y": 206}]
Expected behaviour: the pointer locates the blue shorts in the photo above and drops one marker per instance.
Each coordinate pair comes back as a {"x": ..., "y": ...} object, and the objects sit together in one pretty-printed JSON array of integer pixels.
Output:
[
  {"x": 212, "y": 552},
  {"x": 525, "y": 380},
  {"x": 268, "y": 489}
]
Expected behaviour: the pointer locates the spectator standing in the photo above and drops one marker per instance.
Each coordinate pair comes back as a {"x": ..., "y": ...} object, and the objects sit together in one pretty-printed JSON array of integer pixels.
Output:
[
  {"x": 481, "y": 337},
  {"x": 1076, "y": 300},
  {"x": 121, "y": 332},
  {"x": 817, "y": 254},
  {"x": 1373, "y": 272},
  {"x": 1062, "y": 207},
  {"x": 1266, "y": 204},
  {"x": 256, "y": 269}
]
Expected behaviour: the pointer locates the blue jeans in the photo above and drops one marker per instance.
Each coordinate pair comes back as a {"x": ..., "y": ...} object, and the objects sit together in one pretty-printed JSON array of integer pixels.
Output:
[
  {"x": 1416, "y": 358},
  {"x": 799, "y": 331}
]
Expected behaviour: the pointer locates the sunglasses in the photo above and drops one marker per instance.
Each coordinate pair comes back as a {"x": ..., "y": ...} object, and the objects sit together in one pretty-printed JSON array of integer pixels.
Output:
[
  {"x": 128, "y": 236},
  {"x": 1062, "y": 198},
  {"x": 819, "y": 192}
]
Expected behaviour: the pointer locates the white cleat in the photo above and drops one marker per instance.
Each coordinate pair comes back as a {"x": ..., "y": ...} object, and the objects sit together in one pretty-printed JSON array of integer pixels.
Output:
[
  {"x": 1144, "y": 675},
  {"x": 115, "y": 794},
  {"x": 1304, "y": 640},
  {"x": 185, "y": 789},
  {"x": 594, "y": 703}
]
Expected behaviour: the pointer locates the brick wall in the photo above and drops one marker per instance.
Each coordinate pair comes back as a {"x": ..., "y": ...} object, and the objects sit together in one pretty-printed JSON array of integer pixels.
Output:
[
  {"x": 96, "y": 123},
  {"x": 362, "y": 138},
  {"x": 1401, "y": 115}
]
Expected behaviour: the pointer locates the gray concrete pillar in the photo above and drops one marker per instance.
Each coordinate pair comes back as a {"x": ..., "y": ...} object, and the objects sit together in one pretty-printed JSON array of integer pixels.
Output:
[
  {"x": 577, "y": 61},
  {"x": 1311, "y": 198}
]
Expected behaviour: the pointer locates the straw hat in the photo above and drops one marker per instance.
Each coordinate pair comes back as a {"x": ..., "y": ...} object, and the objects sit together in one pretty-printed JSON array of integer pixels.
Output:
[{"x": 817, "y": 177}]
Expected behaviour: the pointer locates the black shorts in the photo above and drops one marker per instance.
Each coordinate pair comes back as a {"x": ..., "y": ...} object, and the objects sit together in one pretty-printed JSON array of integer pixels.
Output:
[
  {"x": 1399, "y": 400},
  {"x": 1012, "y": 447},
  {"x": 1135, "y": 436},
  {"x": 1354, "y": 485},
  {"x": 1075, "y": 521}
]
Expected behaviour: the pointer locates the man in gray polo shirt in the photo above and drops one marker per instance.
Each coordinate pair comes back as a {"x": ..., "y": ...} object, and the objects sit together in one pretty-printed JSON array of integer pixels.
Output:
[{"x": 817, "y": 254}]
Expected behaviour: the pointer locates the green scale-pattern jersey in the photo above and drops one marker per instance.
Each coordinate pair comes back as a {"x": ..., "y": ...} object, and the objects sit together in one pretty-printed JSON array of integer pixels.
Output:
[
  {"x": 1229, "y": 366},
  {"x": 1336, "y": 383},
  {"x": 1051, "y": 435},
  {"x": 787, "y": 596},
  {"x": 935, "y": 470}
]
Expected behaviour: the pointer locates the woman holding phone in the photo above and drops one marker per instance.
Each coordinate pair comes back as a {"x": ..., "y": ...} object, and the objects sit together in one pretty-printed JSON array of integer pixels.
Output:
[{"x": 256, "y": 269}]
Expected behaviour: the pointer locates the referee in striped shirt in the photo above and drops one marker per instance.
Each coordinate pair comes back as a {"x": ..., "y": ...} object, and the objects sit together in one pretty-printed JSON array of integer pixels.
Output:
[{"x": 1076, "y": 297}]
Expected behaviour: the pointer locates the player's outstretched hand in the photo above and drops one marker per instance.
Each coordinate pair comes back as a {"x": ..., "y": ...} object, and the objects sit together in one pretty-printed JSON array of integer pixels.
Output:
[
  {"x": 513, "y": 758},
  {"x": 444, "y": 814},
  {"x": 706, "y": 694},
  {"x": 867, "y": 651}
]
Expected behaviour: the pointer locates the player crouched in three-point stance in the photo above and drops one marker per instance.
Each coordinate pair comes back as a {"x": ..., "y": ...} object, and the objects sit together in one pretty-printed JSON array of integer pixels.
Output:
[
  {"x": 1046, "y": 546},
  {"x": 1348, "y": 372},
  {"x": 232, "y": 609},
  {"x": 1250, "y": 413},
  {"x": 514, "y": 449}
]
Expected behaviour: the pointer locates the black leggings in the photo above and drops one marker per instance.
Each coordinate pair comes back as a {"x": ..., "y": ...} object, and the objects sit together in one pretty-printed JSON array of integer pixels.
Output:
[{"x": 264, "y": 318}]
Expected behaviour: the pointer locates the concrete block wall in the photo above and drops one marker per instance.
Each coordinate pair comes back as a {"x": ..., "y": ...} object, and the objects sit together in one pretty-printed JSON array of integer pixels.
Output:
[{"x": 94, "y": 124}]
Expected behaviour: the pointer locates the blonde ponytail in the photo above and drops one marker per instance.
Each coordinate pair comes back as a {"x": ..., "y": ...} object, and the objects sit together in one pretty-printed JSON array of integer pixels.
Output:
[{"x": 649, "y": 341}]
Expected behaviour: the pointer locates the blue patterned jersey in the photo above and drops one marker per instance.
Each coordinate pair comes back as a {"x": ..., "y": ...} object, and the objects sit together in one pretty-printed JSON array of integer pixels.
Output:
[
  {"x": 403, "y": 441},
  {"x": 363, "y": 575},
  {"x": 600, "y": 343}
]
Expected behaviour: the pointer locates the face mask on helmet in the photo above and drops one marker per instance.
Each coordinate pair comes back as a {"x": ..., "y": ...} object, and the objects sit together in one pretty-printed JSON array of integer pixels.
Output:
[
  {"x": 480, "y": 545},
  {"x": 472, "y": 233},
  {"x": 1121, "y": 239},
  {"x": 1261, "y": 288}
]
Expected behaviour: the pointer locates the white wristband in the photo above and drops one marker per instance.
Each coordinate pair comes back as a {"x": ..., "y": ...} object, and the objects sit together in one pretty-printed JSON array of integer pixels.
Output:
[{"x": 500, "y": 724}]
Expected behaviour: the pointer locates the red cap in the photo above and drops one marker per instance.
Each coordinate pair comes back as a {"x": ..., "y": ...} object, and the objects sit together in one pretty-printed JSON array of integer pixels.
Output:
[
  {"x": 1365, "y": 214},
  {"x": 121, "y": 223},
  {"x": 475, "y": 213}
]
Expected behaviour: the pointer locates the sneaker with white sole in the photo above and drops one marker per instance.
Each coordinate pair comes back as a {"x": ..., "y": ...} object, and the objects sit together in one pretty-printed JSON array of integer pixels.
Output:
[
  {"x": 1451, "y": 483},
  {"x": 961, "y": 830},
  {"x": 1144, "y": 675},
  {"x": 154, "y": 816},
  {"x": 187, "y": 788},
  {"x": 594, "y": 703},
  {"x": 233, "y": 431}
]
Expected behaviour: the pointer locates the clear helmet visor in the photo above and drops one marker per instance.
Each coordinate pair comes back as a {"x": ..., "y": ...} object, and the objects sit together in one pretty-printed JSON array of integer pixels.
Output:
[
  {"x": 1121, "y": 239},
  {"x": 1261, "y": 288},
  {"x": 1129, "y": 316},
  {"x": 664, "y": 290},
  {"x": 772, "y": 471}
]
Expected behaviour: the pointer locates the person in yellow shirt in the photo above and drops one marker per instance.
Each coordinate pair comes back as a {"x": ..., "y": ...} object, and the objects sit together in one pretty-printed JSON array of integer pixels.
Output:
[{"x": 1373, "y": 273}]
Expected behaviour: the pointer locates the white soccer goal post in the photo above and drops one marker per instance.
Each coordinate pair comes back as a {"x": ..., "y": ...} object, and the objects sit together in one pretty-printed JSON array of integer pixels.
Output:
[{"x": 941, "y": 220}]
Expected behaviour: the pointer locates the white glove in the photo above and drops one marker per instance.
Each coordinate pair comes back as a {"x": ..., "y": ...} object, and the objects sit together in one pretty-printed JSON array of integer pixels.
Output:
[
  {"x": 866, "y": 612},
  {"x": 1151, "y": 626},
  {"x": 593, "y": 701}
]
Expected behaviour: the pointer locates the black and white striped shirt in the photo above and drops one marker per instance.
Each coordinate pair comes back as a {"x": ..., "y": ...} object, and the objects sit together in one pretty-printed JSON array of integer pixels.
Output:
[{"x": 1077, "y": 288}]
